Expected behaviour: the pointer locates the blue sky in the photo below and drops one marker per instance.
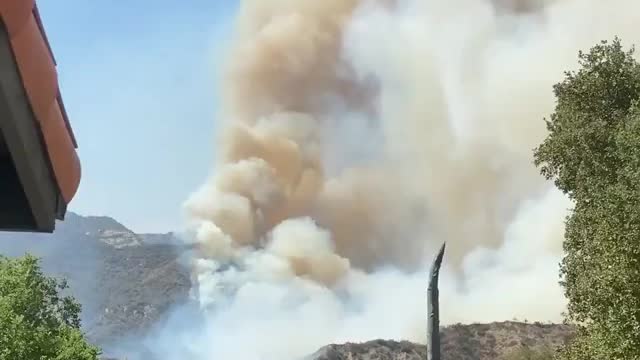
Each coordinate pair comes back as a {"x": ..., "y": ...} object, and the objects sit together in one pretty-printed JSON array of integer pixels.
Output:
[{"x": 139, "y": 83}]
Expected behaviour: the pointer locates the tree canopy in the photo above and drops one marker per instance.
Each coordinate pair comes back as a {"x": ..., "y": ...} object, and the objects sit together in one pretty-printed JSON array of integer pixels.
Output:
[
  {"x": 592, "y": 153},
  {"x": 36, "y": 322}
]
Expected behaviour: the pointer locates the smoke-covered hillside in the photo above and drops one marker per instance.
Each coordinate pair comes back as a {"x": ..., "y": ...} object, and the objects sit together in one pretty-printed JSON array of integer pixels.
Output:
[
  {"x": 129, "y": 284},
  {"x": 125, "y": 281}
]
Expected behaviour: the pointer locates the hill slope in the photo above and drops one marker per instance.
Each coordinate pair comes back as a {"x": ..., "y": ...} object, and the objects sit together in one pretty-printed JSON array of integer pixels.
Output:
[
  {"x": 124, "y": 282},
  {"x": 459, "y": 342},
  {"x": 127, "y": 282}
]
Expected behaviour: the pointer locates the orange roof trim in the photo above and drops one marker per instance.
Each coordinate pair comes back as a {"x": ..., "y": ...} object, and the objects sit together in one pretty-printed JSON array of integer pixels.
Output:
[{"x": 37, "y": 68}]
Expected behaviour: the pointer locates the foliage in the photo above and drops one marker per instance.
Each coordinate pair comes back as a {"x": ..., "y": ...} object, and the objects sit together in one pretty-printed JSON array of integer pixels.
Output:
[
  {"x": 36, "y": 322},
  {"x": 527, "y": 353},
  {"x": 593, "y": 154}
]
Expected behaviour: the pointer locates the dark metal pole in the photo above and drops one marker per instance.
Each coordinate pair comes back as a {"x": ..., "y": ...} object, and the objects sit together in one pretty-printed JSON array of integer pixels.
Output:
[{"x": 433, "y": 309}]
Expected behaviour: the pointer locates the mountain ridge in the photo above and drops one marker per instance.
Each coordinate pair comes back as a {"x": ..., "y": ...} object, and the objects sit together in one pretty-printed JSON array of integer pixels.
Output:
[
  {"x": 125, "y": 281},
  {"x": 492, "y": 341}
]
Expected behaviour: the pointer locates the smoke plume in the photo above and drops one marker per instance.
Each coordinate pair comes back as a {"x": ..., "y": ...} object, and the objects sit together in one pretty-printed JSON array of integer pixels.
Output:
[{"x": 357, "y": 136}]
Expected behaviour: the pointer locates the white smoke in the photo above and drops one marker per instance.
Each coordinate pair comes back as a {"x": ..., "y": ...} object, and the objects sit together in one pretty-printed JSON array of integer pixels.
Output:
[{"x": 361, "y": 134}]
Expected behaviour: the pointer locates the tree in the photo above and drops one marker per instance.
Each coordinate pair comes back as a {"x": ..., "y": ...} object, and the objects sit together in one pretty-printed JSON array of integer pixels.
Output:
[
  {"x": 36, "y": 322},
  {"x": 592, "y": 153}
]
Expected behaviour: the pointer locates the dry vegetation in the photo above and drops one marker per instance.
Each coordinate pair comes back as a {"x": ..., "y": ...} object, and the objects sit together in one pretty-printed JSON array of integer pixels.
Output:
[{"x": 496, "y": 341}]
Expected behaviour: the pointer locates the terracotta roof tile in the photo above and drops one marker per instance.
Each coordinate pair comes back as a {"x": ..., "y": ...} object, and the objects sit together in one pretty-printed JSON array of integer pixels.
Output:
[{"x": 37, "y": 68}]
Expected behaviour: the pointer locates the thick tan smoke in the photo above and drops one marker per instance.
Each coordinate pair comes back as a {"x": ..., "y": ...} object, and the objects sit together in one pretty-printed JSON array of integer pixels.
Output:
[
  {"x": 285, "y": 57},
  {"x": 359, "y": 134},
  {"x": 284, "y": 74},
  {"x": 356, "y": 137}
]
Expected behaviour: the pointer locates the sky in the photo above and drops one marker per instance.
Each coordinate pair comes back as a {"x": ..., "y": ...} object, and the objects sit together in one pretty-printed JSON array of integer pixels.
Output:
[{"x": 138, "y": 79}]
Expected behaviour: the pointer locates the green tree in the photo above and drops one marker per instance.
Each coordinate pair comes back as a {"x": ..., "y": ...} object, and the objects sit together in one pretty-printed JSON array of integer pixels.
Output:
[
  {"x": 592, "y": 153},
  {"x": 36, "y": 322}
]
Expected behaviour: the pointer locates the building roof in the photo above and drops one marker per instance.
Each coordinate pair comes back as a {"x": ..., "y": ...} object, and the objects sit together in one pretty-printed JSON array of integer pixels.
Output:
[{"x": 32, "y": 57}]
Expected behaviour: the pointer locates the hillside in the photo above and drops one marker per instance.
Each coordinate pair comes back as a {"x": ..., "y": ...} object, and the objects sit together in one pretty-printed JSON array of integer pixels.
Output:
[
  {"x": 459, "y": 342},
  {"x": 124, "y": 282},
  {"x": 127, "y": 282}
]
